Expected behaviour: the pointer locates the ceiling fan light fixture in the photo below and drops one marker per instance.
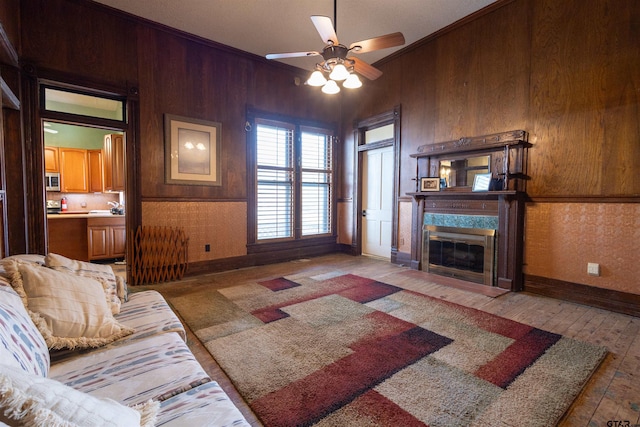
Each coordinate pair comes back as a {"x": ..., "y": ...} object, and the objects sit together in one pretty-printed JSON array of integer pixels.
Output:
[
  {"x": 330, "y": 88},
  {"x": 316, "y": 79},
  {"x": 339, "y": 72},
  {"x": 352, "y": 82}
]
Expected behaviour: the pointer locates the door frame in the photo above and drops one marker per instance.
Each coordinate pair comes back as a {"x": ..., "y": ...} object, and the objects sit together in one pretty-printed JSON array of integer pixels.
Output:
[
  {"x": 383, "y": 119},
  {"x": 35, "y": 215}
]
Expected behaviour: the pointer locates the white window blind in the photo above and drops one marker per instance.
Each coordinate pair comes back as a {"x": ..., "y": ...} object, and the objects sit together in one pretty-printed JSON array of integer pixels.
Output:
[
  {"x": 274, "y": 172},
  {"x": 316, "y": 183}
]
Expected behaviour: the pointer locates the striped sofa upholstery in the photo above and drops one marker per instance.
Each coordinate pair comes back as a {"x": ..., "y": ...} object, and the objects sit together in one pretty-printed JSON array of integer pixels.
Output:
[{"x": 154, "y": 363}]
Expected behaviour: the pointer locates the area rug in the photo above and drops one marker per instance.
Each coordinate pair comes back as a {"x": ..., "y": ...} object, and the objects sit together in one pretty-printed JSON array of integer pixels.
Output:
[{"x": 353, "y": 351}]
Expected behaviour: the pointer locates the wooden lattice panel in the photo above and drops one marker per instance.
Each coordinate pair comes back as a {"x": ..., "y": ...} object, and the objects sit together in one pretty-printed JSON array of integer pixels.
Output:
[{"x": 157, "y": 254}]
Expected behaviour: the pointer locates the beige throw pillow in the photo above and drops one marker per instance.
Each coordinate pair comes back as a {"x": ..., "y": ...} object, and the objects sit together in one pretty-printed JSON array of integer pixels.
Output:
[
  {"x": 102, "y": 273},
  {"x": 69, "y": 311}
]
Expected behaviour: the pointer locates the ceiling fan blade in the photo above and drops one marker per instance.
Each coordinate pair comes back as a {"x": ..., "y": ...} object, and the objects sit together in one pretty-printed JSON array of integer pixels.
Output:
[
  {"x": 382, "y": 42},
  {"x": 291, "y": 55},
  {"x": 325, "y": 29},
  {"x": 361, "y": 67}
]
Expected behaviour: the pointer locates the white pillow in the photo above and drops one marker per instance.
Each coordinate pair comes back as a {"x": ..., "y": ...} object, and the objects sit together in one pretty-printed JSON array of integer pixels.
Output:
[
  {"x": 34, "y": 400},
  {"x": 69, "y": 311},
  {"x": 102, "y": 273}
]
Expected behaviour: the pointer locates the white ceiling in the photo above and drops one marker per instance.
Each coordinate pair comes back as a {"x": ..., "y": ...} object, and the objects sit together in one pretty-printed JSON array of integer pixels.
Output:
[{"x": 278, "y": 26}]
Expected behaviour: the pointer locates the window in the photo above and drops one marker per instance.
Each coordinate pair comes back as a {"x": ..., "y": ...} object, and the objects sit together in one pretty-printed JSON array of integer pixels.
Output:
[{"x": 293, "y": 180}]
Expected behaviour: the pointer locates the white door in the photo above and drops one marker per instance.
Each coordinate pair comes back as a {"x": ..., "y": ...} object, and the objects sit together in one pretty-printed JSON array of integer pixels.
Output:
[{"x": 377, "y": 201}]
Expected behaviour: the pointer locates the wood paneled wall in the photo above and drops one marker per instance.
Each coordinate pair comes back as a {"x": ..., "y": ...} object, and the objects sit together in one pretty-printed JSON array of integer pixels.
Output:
[
  {"x": 172, "y": 73},
  {"x": 566, "y": 72}
]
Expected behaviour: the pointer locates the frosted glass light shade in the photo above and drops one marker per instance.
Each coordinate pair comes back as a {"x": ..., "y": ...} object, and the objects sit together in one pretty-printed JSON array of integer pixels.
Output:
[
  {"x": 330, "y": 88},
  {"x": 316, "y": 79},
  {"x": 339, "y": 73},
  {"x": 352, "y": 82}
]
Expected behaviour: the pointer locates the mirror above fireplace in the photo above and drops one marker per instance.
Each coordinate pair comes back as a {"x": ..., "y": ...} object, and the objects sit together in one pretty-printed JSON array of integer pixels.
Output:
[{"x": 461, "y": 171}]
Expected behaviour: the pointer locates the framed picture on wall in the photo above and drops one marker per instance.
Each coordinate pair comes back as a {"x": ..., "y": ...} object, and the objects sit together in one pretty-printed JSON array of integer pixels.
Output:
[
  {"x": 192, "y": 151},
  {"x": 429, "y": 184}
]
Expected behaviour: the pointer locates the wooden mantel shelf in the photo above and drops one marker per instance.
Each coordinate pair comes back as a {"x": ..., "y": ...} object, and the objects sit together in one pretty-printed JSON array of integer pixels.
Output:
[{"x": 464, "y": 194}]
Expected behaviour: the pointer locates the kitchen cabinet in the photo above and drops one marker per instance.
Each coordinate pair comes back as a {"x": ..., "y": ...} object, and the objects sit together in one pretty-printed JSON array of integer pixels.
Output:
[
  {"x": 106, "y": 237},
  {"x": 114, "y": 164},
  {"x": 51, "y": 163},
  {"x": 96, "y": 167},
  {"x": 74, "y": 170}
]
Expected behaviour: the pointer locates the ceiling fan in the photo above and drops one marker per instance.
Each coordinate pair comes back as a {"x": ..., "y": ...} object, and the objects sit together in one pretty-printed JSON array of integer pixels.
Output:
[{"x": 337, "y": 64}]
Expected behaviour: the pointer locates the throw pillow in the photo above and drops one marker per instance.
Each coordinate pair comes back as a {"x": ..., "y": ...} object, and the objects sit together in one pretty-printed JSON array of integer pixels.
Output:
[
  {"x": 21, "y": 344},
  {"x": 101, "y": 273},
  {"x": 33, "y": 400},
  {"x": 70, "y": 311}
]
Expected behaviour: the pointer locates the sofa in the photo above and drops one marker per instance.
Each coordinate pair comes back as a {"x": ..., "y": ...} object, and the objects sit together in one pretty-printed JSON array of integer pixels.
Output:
[{"x": 77, "y": 349}]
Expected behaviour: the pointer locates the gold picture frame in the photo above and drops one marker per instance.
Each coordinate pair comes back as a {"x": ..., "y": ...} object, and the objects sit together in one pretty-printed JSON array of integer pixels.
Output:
[{"x": 192, "y": 151}]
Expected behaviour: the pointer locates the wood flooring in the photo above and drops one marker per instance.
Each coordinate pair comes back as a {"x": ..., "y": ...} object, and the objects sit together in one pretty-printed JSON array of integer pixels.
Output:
[{"x": 612, "y": 394}]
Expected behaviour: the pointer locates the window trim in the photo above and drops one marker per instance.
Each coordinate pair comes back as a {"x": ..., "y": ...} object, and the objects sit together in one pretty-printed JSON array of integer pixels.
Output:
[{"x": 298, "y": 240}]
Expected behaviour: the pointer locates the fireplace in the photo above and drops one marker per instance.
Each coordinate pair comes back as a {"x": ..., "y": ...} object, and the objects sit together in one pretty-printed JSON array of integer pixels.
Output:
[
  {"x": 465, "y": 253},
  {"x": 468, "y": 232}
]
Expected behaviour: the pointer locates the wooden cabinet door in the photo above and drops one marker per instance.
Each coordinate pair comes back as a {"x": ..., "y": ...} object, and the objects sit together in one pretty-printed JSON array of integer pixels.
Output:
[
  {"x": 96, "y": 166},
  {"x": 98, "y": 239},
  {"x": 107, "y": 237},
  {"x": 74, "y": 170},
  {"x": 114, "y": 163},
  {"x": 51, "y": 163},
  {"x": 118, "y": 245}
]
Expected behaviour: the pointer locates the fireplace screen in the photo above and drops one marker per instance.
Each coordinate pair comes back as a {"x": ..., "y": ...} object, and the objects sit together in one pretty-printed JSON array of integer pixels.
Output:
[{"x": 465, "y": 253}]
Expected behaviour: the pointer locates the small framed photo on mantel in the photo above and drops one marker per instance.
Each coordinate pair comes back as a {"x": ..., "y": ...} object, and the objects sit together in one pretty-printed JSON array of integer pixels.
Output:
[{"x": 429, "y": 184}]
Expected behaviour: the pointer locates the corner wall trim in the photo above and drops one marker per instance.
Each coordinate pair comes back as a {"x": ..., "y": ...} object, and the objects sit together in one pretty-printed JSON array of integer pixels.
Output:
[{"x": 620, "y": 302}]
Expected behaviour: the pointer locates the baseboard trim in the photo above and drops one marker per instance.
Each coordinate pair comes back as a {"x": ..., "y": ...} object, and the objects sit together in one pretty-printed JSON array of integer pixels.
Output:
[
  {"x": 252, "y": 260},
  {"x": 620, "y": 302}
]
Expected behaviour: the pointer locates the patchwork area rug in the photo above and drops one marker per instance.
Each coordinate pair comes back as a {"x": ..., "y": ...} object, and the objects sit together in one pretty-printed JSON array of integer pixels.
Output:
[{"x": 352, "y": 351}]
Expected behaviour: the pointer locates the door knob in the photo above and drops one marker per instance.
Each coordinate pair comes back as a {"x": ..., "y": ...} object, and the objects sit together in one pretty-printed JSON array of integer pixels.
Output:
[{"x": 364, "y": 213}]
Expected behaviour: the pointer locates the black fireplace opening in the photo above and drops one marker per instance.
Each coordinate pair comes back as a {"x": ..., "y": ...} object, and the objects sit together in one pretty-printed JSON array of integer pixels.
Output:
[{"x": 465, "y": 253}]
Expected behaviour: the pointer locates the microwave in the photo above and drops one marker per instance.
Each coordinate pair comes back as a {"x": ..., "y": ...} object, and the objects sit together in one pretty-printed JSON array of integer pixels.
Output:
[{"x": 52, "y": 181}]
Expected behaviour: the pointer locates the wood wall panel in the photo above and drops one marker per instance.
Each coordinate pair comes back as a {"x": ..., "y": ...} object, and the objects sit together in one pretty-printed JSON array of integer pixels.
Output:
[
  {"x": 75, "y": 37},
  {"x": 419, "y": 104},
  {"x": 585, "y": 97},
  {"x": 482, "y": 75}
]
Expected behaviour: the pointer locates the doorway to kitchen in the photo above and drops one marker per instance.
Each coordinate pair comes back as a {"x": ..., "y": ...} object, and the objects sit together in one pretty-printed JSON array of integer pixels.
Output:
[{"x": 83, "y": 140}]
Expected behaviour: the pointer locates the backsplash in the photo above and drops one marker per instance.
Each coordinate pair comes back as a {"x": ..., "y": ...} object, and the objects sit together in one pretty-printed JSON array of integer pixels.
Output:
[{"x": 85, "y": 201}]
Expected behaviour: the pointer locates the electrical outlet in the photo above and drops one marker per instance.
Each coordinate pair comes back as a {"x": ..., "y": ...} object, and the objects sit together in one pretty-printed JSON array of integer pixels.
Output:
[
  {"x": 207, "y": 248},
  {"x": 593, "y": 269}
]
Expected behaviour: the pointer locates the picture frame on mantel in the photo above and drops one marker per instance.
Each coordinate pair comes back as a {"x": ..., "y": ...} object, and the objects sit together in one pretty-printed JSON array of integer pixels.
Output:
[
  {"x": 429, "y": 184},
  {"x": 192, "y": 151},
  {"x": 481, "y": 182}
]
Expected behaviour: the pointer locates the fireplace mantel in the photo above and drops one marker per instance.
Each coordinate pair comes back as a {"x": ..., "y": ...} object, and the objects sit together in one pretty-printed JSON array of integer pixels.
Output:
[{"x": 507, "y": 154}]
